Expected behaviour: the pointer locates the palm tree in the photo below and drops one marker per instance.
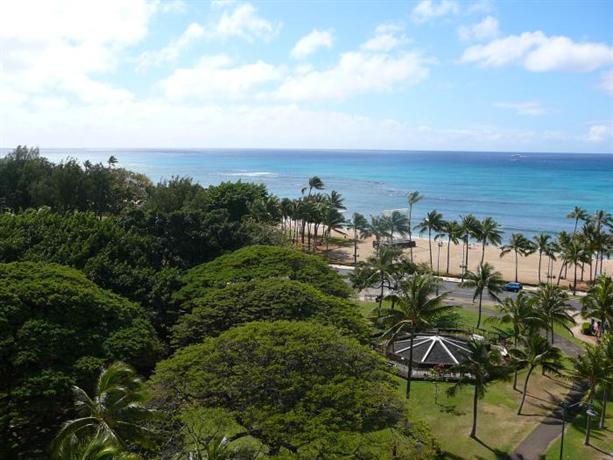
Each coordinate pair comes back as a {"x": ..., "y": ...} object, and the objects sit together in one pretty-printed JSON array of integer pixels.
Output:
[
  {"x": 485, "y": 278},
  {"x": 574, "y": 254},
  {"x": 332, "y": 219},
  {"x": 379, "y": 228},
  {"x": 453, "y": 232},
  {"x": 359, "y": 225},
  {"x": 470, "y": 227},
  {"x": 116, "y": 410},
  {"x": 376, "y": 270},
  {"x": 578, "y": 214},
  {"x": 537, "y": 351},
  {"x": 481, "y": 364},
  {"x": 98, "y": 447},
  {"x": 551, "y": 302},
  {"x": 418, "y": 305},
  {"x": 606, "y": 344},
  {"x": 590, "y": 367},
  {"x": 519, "y": 245},
  {"x": 399, "y": 224},
  {"x": 489, "y": 233},
  {"x": 599, "y": 301},
  {"x": 522, "y": 317},
  {"x": 542, "y": 245},
  {"x": 314, "y": 183},
  {"x": 413, "y": 198},
  {"x": 112, "y": 161},
  {"x": 432, "y": 222}
]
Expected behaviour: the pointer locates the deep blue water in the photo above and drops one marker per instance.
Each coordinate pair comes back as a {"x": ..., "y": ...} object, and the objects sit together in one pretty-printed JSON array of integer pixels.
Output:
[{"x": 531, "y": 193}]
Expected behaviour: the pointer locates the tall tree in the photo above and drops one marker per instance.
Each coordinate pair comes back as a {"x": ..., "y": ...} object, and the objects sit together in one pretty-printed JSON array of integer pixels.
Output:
[
  {"x": 453, "y": 232},
  {"x": 399, "y": 224},
  {"x": 377, "y": 270},
  {"x": 551, "y": 302},
  {"x": 413, "y": 198},
  {"x": 432, "y": 222},
  {"x": 542, "y": 243},
  {"x": 489, "y": 233},
  {"x": 484, "y": 279},
  {"x": 418, "y": 306},
  {"x": 359, "y": 226},
  {"x": 470, "y": 226},
  {"x": 537, "y": 351},
  {"x": 590, "y": 367},
  {"x": 606, "y": 345},
  {"x": 116, "y": 411},
  {"x": 482, "y": 363},
  {"x": 577, "y": 214},
  {"x": 599, "y": 302},
  {"x": 521, "y": 315},
  {"x": 519, "y": 245}
]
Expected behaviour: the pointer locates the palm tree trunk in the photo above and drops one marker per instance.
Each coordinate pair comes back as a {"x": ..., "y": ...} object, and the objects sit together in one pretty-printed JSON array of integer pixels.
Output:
[
  {"x": 381, "y": 295},
  {"x": 540, "y": 257},
  {"x": 466, "y": 255},
  {"x": 479, "y": 317},
  {"x": 448, "y": 249},
  {"x": 523, "y": 398},
  {"x": 410, "y": 367},
  {"x": 588, "y": 422},
  {"x": 575, "y": 281},
  {"x": 430, "y": 246},
  {"x": 515, "y": 373},
  {"x": 355, "y": 247},
  {"x": 410, "y": 233},
  {"x": 516, "y": 266},
  {"x": 603, "y": 410},
  {"x": 473, "y": 431},
  {"x": 483, "y": 253},
  {"x": 560, "y": 274}
]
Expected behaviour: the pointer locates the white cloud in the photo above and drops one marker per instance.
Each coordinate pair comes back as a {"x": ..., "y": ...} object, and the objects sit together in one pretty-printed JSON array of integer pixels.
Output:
[
  {"x": 216, "y": 78},
  {"x": 67, "y": 42},
  {"x": 171, "y": 51},
  {"x": 600, "y": 132},
  {"x": 606, "y": 82},
  {"x": 537, "y": 52},
  {"x": 484, "y": 30},
  {"x": 387, "y": 37},
  {"x": 532, "y": 108},
  {"x": 356, "y": 73},
  {"x": 429, "y": 9},
  {"x": 311, "y": 42},
  {"x": 170, "y": 6},
  {"x": 244, "y": 22}
]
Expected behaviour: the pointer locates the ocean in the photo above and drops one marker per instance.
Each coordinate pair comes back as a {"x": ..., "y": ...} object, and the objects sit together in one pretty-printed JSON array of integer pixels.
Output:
[{"x": 528, "y": 192}]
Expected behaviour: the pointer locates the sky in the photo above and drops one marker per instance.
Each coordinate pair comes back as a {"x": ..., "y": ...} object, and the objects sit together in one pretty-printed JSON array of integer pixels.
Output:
[{"x": 414, "y": 75}]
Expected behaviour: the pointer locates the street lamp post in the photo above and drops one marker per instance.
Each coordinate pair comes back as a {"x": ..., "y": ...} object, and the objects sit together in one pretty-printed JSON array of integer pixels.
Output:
[{"x": 589, "y": 412}]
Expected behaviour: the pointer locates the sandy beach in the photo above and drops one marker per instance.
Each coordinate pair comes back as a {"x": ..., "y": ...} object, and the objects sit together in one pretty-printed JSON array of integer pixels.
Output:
[{"x": 528, "y": 266}]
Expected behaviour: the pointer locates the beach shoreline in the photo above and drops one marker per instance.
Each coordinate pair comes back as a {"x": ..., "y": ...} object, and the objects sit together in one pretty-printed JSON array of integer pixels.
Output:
[{"x": 527, "y": 268}]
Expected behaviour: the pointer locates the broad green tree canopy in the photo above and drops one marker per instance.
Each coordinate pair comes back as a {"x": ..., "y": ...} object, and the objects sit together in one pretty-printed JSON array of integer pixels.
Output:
[
  {"x": 288, "y": 384},
  {"x": 269, "y": 299},
  {"x": 56, "y": 329},
  {"x": 260, "y": 262}
]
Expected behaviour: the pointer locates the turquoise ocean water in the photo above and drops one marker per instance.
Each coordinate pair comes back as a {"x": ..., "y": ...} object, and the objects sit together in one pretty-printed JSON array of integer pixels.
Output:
[{"x": 530, "y": 192}]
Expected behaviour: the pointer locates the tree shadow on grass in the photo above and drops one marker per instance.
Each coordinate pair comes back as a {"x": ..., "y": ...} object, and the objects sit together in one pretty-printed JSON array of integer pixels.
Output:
[{"x": 501, "y": 455}]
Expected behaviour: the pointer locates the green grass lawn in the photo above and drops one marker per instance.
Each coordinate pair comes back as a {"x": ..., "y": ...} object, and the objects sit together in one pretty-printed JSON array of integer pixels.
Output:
[
  {"x": 601, "y": 441},
  {"x": 499, "y": 428}
]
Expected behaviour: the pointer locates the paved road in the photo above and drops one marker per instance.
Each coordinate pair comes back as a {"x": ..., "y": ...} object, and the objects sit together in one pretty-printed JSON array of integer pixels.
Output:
[{"x": 456, "y": 292}]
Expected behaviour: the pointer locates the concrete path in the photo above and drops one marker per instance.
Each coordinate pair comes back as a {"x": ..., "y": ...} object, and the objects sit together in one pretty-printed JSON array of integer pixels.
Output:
[{"x": 536, "y": 443}]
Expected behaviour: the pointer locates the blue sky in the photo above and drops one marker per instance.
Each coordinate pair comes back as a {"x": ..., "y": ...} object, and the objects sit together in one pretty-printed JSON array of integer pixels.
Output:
[{"x": 431, "y": 74}]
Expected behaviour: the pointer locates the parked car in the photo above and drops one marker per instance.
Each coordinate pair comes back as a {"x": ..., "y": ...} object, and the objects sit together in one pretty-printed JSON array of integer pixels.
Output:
[{"x": 513, "y": 287}]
